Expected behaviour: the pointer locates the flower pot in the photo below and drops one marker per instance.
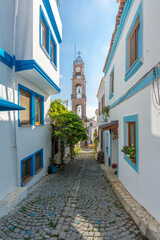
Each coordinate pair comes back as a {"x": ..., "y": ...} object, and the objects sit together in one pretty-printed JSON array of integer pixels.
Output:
[
  {"x": 133, "y": 160},
  {"x": 54, "y": 169}
]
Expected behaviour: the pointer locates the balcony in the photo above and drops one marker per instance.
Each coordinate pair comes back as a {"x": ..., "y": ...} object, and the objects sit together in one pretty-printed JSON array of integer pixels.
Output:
[
  {"x": 101, "y": 119},
  {"x": 33, "y": 62}
]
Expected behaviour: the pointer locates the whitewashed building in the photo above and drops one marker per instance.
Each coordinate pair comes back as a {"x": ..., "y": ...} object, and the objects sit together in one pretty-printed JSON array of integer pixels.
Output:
[
  {"x": 132, "y": 72},
  {"x": 31, "y": 32}
]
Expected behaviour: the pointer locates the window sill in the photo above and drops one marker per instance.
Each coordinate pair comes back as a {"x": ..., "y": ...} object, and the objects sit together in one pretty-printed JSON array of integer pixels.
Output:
[
  {"x": 36, "y": 125},
  {"x": 39, "y": 170},
  {"x": 129, "y": 161},
  {"x": 27, "y": 181},
  {"x": 111, "y": 96},
  {"x": 45, "y": 51},
  {"x": 133, "y": 69}
]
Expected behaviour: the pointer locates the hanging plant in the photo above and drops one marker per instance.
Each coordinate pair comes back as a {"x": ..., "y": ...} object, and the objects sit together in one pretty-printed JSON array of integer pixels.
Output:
[{"x": 106, "y": 112}]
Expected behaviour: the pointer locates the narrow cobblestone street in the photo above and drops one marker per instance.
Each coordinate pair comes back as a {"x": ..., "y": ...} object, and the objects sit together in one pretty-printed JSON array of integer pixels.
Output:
[{"x": 77, "y": 203}]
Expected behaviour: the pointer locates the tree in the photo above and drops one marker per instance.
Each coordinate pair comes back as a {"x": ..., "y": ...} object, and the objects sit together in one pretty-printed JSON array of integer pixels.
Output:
[
  {"x": 72, "y": 130},
  {"x": 66, "y": 125},
  {"x": 57, "y": 109}
]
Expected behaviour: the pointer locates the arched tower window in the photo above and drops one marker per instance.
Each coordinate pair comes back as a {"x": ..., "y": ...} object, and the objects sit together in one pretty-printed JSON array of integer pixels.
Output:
[
  {"x": 79, "y": 110},
  {"x": 79, "y": 91}
]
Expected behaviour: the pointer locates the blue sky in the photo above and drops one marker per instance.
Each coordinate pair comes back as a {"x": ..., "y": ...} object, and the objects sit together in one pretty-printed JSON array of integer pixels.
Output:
[{"x": 90, "y": 24}]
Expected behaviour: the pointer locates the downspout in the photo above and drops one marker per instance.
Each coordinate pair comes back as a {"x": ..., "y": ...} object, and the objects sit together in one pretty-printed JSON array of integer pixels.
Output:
[{"x": 14, "y": 95}]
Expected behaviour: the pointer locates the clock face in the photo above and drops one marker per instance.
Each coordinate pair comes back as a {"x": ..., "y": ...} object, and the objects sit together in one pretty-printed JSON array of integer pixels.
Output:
[{"x": 78, "y": 69}]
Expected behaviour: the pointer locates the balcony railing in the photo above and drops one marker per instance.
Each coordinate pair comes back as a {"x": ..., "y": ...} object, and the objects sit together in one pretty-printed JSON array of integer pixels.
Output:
[{"x": 101, "y": 118}]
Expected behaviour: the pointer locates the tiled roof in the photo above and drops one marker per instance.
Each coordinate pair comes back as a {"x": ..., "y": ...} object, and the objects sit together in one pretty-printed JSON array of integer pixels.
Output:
[{"x": 121, "y": 5}]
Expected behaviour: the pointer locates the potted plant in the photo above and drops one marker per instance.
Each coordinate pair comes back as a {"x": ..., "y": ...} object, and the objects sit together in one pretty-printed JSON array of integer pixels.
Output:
[
  {"x": 54, "y": 166},
  {"x": 125, "y": 149},
  {"x": 133, "y": 154}
]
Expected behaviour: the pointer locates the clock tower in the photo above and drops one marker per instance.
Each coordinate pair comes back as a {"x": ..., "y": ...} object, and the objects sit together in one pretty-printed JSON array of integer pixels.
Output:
[{"x": 78, "y": 96}]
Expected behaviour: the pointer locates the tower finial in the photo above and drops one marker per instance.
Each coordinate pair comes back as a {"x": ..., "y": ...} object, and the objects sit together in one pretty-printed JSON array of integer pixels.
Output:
[{"x": 79, "y": 53}]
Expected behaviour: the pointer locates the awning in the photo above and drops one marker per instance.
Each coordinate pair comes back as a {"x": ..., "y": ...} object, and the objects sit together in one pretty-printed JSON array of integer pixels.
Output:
[
  {"x": 110, "y": 126},
  {"x": 6, "y": 105}
]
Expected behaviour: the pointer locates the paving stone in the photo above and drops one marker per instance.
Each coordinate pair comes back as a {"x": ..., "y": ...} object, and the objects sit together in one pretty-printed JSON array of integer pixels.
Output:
[{"x": 75, "y": 204}]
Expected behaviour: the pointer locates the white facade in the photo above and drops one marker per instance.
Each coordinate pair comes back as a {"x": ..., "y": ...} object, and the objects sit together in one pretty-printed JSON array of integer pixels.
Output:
[
  {"x": 24, "y": 62},
  {"x": 133, "y": 98},
  {"x": 92, "y": 127}
]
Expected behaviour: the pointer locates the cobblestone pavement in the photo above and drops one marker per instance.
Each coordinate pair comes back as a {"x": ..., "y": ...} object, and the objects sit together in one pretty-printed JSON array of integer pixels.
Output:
[{"x": 75, "y": 204}]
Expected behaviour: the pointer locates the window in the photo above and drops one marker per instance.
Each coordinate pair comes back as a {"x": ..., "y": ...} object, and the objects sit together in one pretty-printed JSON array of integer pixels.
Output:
[
  {"x": 31, "y": 166},
  {"x": 111, "y": 87},
  {"x": 131, "y": 140},
  {"x": 103, "y": 103},
  {"x": 131, "y": 134},
  {"x": 26, "y": 165},
  {"x": 37, "y": 110},
  {"x": 79, "y": 110},
  {"x": 134, "y": 45},
  {"x": 53, "y": 51},
  {"x": 25, "y": 102},
  {"x": 37, "y": 162},
  {"x": 43, "y": 34},
  {"x": 34, "y": 105},
  {"x": 79, "y": 92}
]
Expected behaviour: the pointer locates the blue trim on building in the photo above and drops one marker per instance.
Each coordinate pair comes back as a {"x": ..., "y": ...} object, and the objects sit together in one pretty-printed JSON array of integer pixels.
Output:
[
  {"x": 55, "y": 50},
  {"x": 32, "y": 64},
  {"x": 32, "y": 163},
  {"x": 52, "y": 19},
  {"x": 132, "y": 118},
  {"x": 134, "y": 68},
  {"x": 111, "y": 149},
  {"x": 41, "y": 157},
  {"x": 43, "y": 17},
  {"x": 120, "y": 27},
  {"x": 6, "y": 105},
  {"x": 32, "y": 105},
  {"x": 111, "y": 95},
  {"x": 144, "y": 83},
  {"x": 6, "y": 58},
  {"x": 22, "y": 65},
  {"x": 31, "y": 167}
]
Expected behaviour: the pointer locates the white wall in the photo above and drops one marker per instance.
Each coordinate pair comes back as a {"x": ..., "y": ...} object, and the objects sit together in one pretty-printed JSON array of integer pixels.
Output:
[
  {"x": 6, "y": 25},
  {"x": 18, "y": 143},
  {"x": 27, "y": 36},
  {"x": 144, "y": 185}
]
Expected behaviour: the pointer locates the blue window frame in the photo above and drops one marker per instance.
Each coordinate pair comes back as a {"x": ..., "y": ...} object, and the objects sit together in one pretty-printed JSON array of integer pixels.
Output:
[
  {"x": 134, "y": 45},
  {"x": 53, "y": 51},
  {"x": 30, "y": 109},
  {"x": 38, "y": 160},
  {"x": 28, "y": 166},
  {"x": 111, "y": 84},
  {"x": 46, "y": 39},
  {"x": 126, "y": 121},
  {"x": 44, "y": 32}
]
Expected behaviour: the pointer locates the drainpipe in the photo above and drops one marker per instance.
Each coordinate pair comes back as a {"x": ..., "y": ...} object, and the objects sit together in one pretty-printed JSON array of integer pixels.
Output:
[{"x": 14, "y": 96}]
